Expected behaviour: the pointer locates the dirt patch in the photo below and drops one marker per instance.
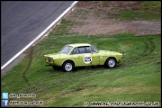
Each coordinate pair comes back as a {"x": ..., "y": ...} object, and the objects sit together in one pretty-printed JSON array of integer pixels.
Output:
[
  {"x": 109, "y": 5},
  {"x": 111, "y": 27},
  {"x": 94, "y": 19},
  {"x": 145, "y": 27}
]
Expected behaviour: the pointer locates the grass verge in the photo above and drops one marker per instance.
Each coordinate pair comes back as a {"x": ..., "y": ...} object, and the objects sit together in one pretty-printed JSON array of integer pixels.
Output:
[
  {"x": 147, "y": 11},
  {"x": 137, "y": 78},
  {"x": 139, "y": 10}
]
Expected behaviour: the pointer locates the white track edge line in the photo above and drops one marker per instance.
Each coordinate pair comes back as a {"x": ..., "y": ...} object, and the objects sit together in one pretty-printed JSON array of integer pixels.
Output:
[{"x": 39, "y": 36}]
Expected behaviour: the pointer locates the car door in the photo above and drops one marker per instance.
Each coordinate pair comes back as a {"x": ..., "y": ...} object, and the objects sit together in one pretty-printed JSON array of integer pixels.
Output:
[
  {"x": 95, "y": 59},
  {"x": 85, "y": 56},
  {"x": 95, "y": 56},
  {"x": 77, "y": 56},
  {"x": 89, "y": 56}
]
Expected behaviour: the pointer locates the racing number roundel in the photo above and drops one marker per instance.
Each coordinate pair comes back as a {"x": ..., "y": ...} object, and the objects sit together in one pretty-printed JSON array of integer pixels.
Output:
[{"x": 87, "y": 59}]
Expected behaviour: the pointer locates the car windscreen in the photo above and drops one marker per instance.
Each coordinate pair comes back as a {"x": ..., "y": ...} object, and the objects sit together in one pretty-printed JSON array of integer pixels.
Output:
[{"x": 66, "y": 49}]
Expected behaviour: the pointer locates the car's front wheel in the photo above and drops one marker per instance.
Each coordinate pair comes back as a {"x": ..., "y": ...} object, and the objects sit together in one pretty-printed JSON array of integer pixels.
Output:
[
  {"x": 68, "y": 66},
  {"x": 110, "y": 63}
]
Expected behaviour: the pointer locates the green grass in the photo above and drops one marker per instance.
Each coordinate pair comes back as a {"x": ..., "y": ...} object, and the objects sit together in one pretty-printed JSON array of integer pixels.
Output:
[
  {"x": 142, "y": 10},
  {"x": 151, "y": 5},
  {"x": 136, "y": 78},
  {"x": 139, "y": 15},
  {"x": 149, "y": 10}
]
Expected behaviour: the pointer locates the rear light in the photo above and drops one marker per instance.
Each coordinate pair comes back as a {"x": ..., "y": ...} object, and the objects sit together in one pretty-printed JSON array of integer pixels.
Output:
[
  {"x": 48, "y": 59},
  {"x": 44, "y": 58}
]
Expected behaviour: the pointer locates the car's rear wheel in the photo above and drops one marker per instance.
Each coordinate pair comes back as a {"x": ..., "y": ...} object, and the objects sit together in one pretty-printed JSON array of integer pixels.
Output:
[
  {"x": 110, "y": 63},
  {"x": 68, "y": 66}
]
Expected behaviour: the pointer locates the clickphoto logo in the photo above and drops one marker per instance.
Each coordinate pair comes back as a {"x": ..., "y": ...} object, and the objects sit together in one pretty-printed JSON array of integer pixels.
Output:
[
  {"x": 4, "y": 102},
  {"x": 4, "y": 95}
]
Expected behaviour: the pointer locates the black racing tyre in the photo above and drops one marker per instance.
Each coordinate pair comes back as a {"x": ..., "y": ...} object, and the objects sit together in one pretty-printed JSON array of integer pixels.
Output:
[{"x": 110, "y": 63}]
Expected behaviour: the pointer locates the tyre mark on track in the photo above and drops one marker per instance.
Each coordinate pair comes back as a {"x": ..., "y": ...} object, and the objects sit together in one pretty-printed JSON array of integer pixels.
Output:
[
  {"x": 149, "y": 47},
  {"x": 30, "y": 56}
]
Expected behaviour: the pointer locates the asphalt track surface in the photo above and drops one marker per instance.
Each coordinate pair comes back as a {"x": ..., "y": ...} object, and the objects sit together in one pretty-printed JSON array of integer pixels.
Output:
[{"x": 22, "y": 21}]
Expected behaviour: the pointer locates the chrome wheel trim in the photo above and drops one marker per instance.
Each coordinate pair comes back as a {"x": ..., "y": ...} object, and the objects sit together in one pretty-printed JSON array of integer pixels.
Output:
[
  {"x": 111, "y": 63},
  {"x": 68, "y": 67}
]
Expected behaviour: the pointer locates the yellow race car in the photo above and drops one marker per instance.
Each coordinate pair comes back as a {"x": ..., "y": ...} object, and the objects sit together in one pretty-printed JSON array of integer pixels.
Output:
[{"x": 82, "y": 54}]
